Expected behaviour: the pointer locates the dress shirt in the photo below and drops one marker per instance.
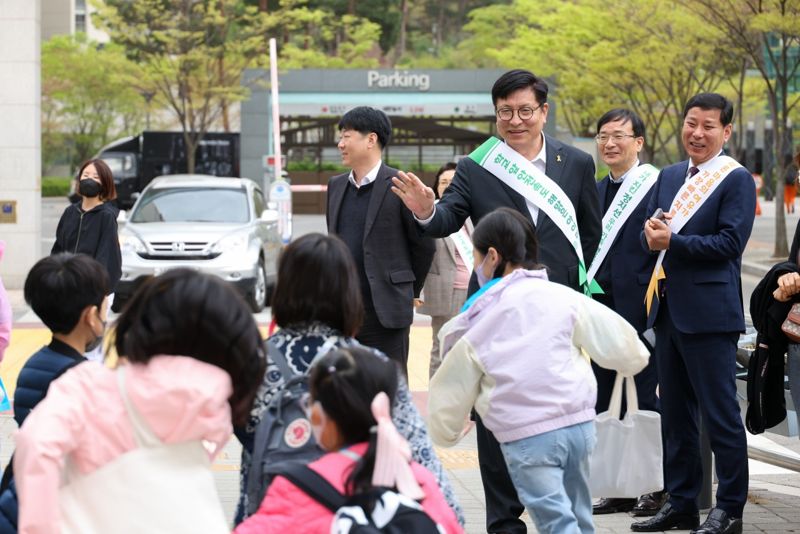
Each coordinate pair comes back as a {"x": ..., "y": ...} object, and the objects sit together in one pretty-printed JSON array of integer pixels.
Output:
[{"x": 369, "y": 177}]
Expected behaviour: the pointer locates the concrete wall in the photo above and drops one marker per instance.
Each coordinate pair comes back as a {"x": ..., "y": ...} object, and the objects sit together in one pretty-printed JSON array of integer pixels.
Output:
[{"x": 20, "y": 135}]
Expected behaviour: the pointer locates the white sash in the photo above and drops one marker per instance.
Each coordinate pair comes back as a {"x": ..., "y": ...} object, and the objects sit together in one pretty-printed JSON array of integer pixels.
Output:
[
  {"x": 463, "y": 244},
  {"x": 514, "y": 170},
  {"x": 686, "y": 203},
  {"x": 633, "y": 190}
]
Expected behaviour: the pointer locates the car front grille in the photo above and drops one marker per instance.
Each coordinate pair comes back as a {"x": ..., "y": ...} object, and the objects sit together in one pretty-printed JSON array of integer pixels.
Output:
[{"x": 188, "y": 250}]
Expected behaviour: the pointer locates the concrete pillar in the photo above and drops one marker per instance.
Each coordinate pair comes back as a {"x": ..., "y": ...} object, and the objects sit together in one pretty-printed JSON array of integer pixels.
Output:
[{"x": 20, "y": 137}]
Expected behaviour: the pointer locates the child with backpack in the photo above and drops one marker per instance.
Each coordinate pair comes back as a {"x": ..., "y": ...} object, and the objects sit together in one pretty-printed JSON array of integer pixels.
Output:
[
  {"x": 317, "y": 304},
  {"x": 129, "y": 450},
  {"x": 519, "y": 354},
  {"x": 366, "y": 479}
]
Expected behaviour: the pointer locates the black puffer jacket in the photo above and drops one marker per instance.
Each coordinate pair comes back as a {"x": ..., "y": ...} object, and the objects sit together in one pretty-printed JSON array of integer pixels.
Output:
[{"x": 93, "y": 233}]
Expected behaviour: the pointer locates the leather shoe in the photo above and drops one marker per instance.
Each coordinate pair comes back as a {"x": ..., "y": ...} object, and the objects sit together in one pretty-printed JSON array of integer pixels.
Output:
[
  {"x": 649, "y": 503},
  {"x": 612, "y": 506},
  {"x": 666, "y": 519},
  {"x": 719, "y": 522}
]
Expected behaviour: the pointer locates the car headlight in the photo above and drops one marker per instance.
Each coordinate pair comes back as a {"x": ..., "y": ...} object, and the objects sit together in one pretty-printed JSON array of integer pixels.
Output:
[
  {"x": 230, "y": 243},
  {"x": 129, "y": 243}
]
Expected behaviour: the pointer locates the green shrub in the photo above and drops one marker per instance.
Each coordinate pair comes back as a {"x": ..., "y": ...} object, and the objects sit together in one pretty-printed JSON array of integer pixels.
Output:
[{"x": 55, "y": 186}]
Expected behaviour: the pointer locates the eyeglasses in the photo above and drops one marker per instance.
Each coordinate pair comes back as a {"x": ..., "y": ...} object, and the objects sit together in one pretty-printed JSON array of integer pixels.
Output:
[
  {"x": 506, "y": 114},
  {"x": 617, "y": 137}
]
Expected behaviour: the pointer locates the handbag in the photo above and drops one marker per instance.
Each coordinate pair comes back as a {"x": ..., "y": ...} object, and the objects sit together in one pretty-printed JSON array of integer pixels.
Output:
[
  {"x": 791, "y": 326},
  {"x": 155, "y": 488},
  {"x": 627, "y": 460}
]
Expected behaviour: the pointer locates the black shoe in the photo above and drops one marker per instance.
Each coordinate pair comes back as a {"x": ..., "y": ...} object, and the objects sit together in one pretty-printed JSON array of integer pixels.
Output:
[
  {"x": 666, "y": 519},
  {"x": 649, "y": 504},
  {"x": 612, "y": 506},
  {"x": 719, "y": 522}
]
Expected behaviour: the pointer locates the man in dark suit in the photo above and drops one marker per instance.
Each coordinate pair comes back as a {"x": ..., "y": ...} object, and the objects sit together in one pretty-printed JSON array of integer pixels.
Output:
[
  {"x": 699, "y": 318},
  {"x": 623, "y": 274},
  {"x": 391, "y": 256},
  {"x": 520, "y": 100}
]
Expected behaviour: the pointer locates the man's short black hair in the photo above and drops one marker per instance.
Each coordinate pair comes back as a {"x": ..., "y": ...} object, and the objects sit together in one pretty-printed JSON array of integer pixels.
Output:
[
  {"x": 58, "y": 288},
  {"x": 365, "y": 120},
  {"x": 517, "y": 79},
  {"x": 624, "y": 115},
  {"x": 711, "y": 101}
]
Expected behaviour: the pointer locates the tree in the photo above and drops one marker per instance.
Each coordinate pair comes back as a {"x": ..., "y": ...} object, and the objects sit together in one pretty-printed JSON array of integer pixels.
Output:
[
  {"x": 633, "y": 55},
  {"x": 192, "y": 53},
  {"x": 87, "y": 96},
  {"x": 767, "y": 32}
]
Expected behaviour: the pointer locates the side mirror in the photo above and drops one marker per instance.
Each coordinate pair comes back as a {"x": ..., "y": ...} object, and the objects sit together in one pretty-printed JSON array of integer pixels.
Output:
[
  {"x": 269, "y": 216},
  {"x": 122, "y": 218}
]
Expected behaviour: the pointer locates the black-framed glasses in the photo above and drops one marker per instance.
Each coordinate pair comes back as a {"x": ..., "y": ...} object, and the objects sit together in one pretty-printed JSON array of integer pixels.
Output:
[
  {"x": 617, "y": 137},
  {"x": 525, "y": 113}
]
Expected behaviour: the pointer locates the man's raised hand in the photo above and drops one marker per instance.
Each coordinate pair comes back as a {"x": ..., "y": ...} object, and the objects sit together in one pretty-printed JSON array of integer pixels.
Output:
[{"x": 417, "y": 196}]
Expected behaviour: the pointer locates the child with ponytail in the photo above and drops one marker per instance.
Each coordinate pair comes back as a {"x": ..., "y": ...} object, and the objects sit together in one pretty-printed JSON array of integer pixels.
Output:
[{"x": 350, "y": 394}]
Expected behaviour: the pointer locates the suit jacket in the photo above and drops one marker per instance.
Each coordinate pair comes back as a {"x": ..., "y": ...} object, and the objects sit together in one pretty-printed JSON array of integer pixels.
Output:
[
  {"x": 703, "y": 265},
  {"x": 626, "y": 270},
  {"x": 438, "y": 291},
  {"x": 475, "y": 192},
  {"x": 396, "y": 256}
]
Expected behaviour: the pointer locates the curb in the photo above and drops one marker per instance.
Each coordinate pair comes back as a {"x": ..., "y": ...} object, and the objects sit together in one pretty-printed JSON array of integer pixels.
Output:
[{"x": 754, "y": 269}]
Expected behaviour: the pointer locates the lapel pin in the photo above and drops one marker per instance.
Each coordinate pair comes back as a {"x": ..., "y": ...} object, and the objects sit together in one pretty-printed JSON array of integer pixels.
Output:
[{"x": 558, "y": 158}]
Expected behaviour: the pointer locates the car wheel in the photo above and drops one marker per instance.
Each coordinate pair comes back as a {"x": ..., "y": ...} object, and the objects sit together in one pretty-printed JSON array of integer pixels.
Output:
[{"x": 257, "y": 297}]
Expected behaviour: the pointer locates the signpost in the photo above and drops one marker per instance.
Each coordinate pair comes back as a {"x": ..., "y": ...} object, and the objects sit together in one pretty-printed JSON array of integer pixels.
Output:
[{"x": 280, "y": 193}]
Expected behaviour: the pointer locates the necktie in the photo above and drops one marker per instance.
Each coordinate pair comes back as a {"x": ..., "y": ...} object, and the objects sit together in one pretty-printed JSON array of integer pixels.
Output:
[{"x": 692, "y": 172}]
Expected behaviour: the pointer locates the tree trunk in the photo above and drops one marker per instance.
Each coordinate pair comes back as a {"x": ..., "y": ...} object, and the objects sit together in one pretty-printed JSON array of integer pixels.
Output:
[
  {"x": 401, "y": 42},
  {"x": 190, "y": 142}
]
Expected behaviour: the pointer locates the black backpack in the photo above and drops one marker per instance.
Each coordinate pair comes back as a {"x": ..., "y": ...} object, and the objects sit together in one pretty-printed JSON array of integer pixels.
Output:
[
  {"x": 283, "y": 434},
  {"x": 380, "y": 510}
]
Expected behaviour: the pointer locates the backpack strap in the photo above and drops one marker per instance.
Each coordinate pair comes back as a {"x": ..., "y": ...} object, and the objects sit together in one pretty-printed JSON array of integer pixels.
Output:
[
  {"x": 142, "y": 433},
  {"x": 276, "y": 355},
  {"x": 314, "y": 485}
]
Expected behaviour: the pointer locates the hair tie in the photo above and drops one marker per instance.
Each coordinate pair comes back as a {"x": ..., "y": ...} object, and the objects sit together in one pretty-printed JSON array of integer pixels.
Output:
[{"x": 392, "y": 453}]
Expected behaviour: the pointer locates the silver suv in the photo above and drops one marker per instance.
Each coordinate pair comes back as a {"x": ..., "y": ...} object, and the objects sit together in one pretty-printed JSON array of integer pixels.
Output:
[{"x": 217, "y": 225}]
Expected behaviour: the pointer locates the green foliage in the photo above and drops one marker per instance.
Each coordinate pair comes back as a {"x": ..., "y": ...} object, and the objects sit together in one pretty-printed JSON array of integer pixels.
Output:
[
  {"x": 55, "y": 186},
  {"x": 192, "y": 54},
  {"x": 88, "y": 97},
  {"x": 634, "y": 55}
]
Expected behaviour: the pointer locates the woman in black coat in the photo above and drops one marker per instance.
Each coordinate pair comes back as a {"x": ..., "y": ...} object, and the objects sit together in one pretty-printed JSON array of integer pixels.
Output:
[{"x": 89, "y": 226}]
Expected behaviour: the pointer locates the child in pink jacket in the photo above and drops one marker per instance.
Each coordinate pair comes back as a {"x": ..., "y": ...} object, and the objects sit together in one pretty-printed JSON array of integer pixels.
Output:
[
  {"x": 193, "y": 361},
  {"x": 350, "y": 395},
  {"x": 5, "y": 312}
]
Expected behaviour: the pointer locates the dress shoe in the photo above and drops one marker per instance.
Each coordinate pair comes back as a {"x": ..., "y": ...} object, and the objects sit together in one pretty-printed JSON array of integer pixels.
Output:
[
  {"x": 666, "y": 519},
  {"x": 719, "y": 522},
  {"x": 649, "y": 503},
  {"x": 612, "y": 506}
]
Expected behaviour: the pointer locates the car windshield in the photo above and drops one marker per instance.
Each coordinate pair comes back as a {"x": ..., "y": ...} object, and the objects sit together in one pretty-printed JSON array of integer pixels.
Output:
[{"x": 184, "y": 204}]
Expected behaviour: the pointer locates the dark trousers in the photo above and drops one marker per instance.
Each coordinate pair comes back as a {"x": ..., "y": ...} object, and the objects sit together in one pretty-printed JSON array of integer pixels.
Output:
[
  {"x": 502, "y": 503},
  {"x": 646, "y": 384},
  {"x": 698, "y": 371},
  {"x": 391, "y": 341}
]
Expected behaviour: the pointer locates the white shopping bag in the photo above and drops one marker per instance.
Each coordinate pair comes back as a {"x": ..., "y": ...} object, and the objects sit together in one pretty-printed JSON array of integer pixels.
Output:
[{"x": 627, "y": 460}]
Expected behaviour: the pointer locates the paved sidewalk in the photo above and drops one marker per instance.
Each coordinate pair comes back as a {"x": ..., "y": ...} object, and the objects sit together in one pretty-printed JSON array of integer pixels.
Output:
[{"x": 774, "y": 500}]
